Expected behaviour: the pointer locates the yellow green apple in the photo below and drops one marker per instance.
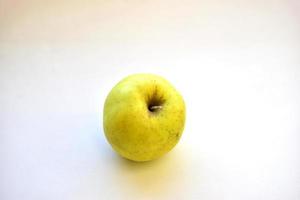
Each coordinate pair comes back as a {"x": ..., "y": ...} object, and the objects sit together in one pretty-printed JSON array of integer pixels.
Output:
[{"x": 143, "y": 117}]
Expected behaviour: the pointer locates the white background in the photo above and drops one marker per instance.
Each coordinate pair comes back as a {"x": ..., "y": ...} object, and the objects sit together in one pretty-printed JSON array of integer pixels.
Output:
[{"x": 236, "y": 63}]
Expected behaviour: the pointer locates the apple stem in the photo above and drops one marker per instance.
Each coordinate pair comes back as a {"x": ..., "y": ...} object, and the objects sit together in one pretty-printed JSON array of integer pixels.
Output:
[{"x": 155, "y": 108}]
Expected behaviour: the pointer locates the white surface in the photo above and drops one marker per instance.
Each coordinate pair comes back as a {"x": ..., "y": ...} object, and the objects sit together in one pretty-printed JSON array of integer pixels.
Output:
[{"x": 237, "y": 64}]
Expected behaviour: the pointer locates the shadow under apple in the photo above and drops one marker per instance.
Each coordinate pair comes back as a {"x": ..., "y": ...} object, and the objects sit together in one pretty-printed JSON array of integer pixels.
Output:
[
  {"x": 155, "y": 178},
  {"x": 108, "y": 175}
]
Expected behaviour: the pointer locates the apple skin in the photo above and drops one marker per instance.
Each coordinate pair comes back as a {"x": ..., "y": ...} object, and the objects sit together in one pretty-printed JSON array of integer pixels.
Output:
[{"x": 143, "y": 117}]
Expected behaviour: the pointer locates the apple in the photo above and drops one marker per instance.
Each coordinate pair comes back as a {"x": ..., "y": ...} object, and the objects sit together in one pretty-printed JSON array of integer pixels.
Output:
[{"x": 143, "y": 117}]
